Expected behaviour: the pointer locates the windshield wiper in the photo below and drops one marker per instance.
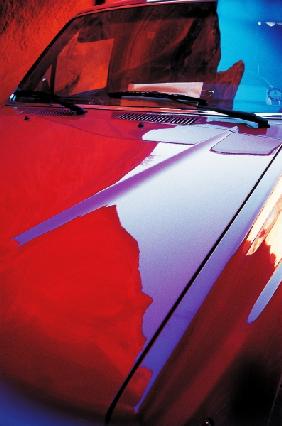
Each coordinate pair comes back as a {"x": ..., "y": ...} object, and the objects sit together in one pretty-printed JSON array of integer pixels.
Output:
[
  {"x": 49, "y": 98},
  {"x": 160, "y": 95},
  {"x": 249, "y": 116},
  {"x": 201, "y": 104}
]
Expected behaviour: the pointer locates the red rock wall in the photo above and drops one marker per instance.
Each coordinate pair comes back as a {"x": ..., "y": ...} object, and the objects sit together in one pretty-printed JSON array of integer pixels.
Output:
[{"x": 26, "y": 27}]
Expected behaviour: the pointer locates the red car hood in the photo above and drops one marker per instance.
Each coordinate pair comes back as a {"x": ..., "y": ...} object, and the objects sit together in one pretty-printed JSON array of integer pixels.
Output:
[{"x": 103, "y": 224}]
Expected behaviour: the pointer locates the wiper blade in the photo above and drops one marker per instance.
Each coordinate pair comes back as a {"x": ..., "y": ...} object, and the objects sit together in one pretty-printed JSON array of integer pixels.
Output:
[
  {"x": 159, "y": 95},
  {"x": 200, "y": 104},
  {"x": 49, "y": 98},
  {"x": 249, "y": 116}
]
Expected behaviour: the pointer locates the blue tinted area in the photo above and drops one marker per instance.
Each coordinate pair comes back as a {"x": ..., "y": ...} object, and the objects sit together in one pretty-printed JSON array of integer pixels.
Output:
[
  {"x": 17, "y": 409},
  {"x": 251, "y": 31}
]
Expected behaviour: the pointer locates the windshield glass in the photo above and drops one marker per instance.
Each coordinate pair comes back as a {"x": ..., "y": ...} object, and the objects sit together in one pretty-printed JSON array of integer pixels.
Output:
[{"x": 201, "y": 49}]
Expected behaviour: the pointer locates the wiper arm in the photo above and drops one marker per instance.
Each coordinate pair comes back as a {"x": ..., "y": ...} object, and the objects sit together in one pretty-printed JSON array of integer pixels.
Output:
[
  {"x": 48, "y": 97},
  {"x": 159, "y": 95},
  {"x": 249, "y": 116},
  {"x": 200, "y": 104}
]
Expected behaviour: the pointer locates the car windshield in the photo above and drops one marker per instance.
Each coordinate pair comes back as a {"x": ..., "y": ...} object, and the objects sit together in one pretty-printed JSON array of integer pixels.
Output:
[{"x": 200, "y": 49}]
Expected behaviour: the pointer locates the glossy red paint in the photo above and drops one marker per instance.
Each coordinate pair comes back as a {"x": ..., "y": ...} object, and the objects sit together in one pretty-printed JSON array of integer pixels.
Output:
[
  {"x": 71, "y": 312},
  {"x": 225, "y": 368},
  {"x": 52, "y": 166},
  {"x": 65, "y": 297}
]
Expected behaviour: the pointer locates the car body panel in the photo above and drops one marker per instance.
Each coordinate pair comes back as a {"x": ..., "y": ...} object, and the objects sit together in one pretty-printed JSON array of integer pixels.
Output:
[
  {"x": 134, "y": 287},
  {"x": 229, "y": 366},
  {"x": 156, "y": 202}
]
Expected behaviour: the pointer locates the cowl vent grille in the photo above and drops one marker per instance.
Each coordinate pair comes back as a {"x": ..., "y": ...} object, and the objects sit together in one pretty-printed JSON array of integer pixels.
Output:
[
  {"x": 61, "y": 111},
  {"x": 182, "y": 120}
]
